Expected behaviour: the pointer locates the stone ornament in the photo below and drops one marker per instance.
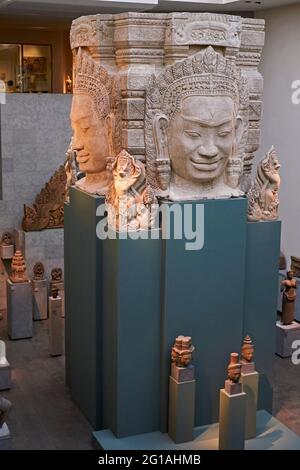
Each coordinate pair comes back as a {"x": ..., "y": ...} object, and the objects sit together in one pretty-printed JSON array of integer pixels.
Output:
[
  {"x": 18, "y": 268},
  {"x": 38, "y": 271},
  {"x": 93, "y": 119},
  {"x": 56, "y": 275},
  {"x": 6, "y": 239},
  {"x": 263, "y": 200},
  {"x": 289, "y": 286},
  {"x": 234, "y": 368},
  {"x": 54, "y": 291},
  {"x": 196, "y": 113},
  {"x": 295, "y": 265},
  {"x": 48, "y": 209},
  {"x": 5, "y": 406},
  {"x": 91, "y": 31},
  {"x": 182, "y": 351},
  {"x": 131, "y": 203}
]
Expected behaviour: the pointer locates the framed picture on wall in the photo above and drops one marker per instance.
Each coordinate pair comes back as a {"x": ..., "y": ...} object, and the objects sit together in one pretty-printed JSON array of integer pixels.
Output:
[{"x": 35, "y": 74}]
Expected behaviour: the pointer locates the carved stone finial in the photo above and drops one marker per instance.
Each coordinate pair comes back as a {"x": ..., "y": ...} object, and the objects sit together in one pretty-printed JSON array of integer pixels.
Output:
[
  {"x": 247, "y": 349},
  {"x": 38, "y": 271},
  {"x": 56, "y": 275},
  {"x": 182, "y": 351},
  {"x": 18, "y": 268},
  {"x": 234, "y": 368},
  {"x": 263, "y": 200},
  {"x": 6, "y": 239}
]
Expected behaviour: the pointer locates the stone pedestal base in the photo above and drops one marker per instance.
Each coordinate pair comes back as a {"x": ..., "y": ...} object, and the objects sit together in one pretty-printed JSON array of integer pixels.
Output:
[
  {"x": 232, "y": 421},
  {"x": 250, "y": 387},
  {"x": 5, "y": 438},
  {"x": 39, "y": 299},
  {"x": 19, "y": 310},
  {"x": 181, "y": 410},
  {"x": 5, "y": 376},
  {"x": 285, "y": 336},
  {"x": 7, "y": 251},
  {"x": 61, "y": 287},
  {"x": 56, "y": 327}
]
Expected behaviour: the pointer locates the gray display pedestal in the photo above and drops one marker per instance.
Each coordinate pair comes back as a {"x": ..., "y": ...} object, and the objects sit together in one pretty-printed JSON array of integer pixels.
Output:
[
  {"x": 40, "y": 297},
  {"x": 285, "y": 336},
  {"x": 131, "y": 298},
  {"x": 5, "y": 438},
  {"x": 232, "y": 421},
  {"x": 6, "y": 251},
  {"x": 61, "y": 287},
  {"x": 56, "y": 326},
  {"x": 19, "y": 310},
  {"x": 5, "y": 376},
  {"x": 181, "y": 410},
  {"x": 250, "y": 387}
]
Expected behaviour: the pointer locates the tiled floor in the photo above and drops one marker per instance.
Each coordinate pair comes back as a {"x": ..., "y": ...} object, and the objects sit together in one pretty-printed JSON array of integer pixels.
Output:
[{"x": 44, "y": 416}]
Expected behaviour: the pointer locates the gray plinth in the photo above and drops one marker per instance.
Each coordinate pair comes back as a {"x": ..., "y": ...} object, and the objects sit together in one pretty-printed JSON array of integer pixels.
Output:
[
  {"x": 19, "y": 238},
  {"x": 7, "y": 251},
  {"x": 232, "y": 421},
  {"x": 5, "y": 438},
  {"x": 181, "y": 410},
  {"x": 61, "y": 287},
  {"x": 19, "y": 309},
  {"x": 56, "y": 326},
  {"x": 250, "y": 387},
  {"x": 39, "y": 299},
  {"x": 285, "y": 336},
  {"x": 5, "y": 376}
]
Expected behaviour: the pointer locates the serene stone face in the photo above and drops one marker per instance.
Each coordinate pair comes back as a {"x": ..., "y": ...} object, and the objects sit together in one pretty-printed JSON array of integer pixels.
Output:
[
  {"x": 201, "y": 137},
  {"x": 90, "y": 139},
  {"x": 234, "y": 374},
  {"x": 248, "y": 353}
]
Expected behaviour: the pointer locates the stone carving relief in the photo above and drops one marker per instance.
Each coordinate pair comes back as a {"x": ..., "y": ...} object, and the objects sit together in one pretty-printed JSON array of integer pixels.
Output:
[
  {"x": 93, "y": 118},
  {"x": 48, "y": 209},
  {"x": 131, "y": 203},
  {"x": 182, "y": 351},
  {"x": 90, "y": 31},
  {"x": 263, "y": 200},
  {"x": 38, "y": 271},
  {"x": 18, "y": 268},
  {"x": 56, "y": 275},
  {"x": 196, "y": 119},
  {"x": 6, "y": 239}
]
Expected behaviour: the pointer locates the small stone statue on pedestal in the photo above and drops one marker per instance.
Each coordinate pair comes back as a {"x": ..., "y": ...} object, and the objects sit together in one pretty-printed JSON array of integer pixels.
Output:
[
  {"x": 18, "y": 268},
  {"x": 250, "y": 381},
  {"x": 7, "y": 246},
  {"x": 289, "y": 287},
  {"x": 182, "y": 391},
  {"x": 234, "y": 370},
  {"x": 247, "y": 354},
  {"x": 39, "y": 291},
  {"x": 57, "y": 280}
]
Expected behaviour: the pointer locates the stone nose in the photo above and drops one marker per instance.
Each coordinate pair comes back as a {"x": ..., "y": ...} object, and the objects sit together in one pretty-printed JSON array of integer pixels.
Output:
[{"x": 208, "y": 149}]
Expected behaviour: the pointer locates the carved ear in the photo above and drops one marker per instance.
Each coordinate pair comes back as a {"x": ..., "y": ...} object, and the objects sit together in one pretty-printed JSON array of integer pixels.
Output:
[
  {"x": 160, "y": 126},
  {"x": 239, "y": 129},
  {"x": 110, "y": 129}
]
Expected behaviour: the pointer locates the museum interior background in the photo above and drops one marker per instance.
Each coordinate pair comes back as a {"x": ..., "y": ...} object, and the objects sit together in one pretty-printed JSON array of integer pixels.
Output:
[{"x": 35, "y": 134}]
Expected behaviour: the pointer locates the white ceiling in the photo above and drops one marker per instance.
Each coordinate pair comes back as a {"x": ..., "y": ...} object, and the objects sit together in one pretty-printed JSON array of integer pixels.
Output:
[{"x": 69, "y": 9}]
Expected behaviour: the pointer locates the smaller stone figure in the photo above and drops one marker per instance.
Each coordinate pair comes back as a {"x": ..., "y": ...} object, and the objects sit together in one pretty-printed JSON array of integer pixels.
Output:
[
  {"x": 295, "y": 266},
  {"x": 5, "y": 406},
  {"x": 289, "y": 287},
  {"x": 130, "y": 202},
  {"x": 38, "y": 271},
  {"x": 54, "y": 291},
  {"x": 234, "y": 370},
  {"x": 263, "y": 201},
  {"x": 247, "y": 354},
  {"x": 182, "y": 351},
  {"x": 6, "y": 239},
  {"x": 18, "y": 268},
  {"x": 56, "y": 275}
]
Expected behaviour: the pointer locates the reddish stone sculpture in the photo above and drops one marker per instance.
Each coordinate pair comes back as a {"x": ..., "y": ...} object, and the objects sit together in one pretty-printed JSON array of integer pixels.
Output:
[
  {"x": 18, "y": 268},
  {"x": 54, "y": 291},
  {"x": 182, "y": 351},
  {"x": 295, "y": 266},
  {"x": 288, "y": 299},
  {"x": 56, "y": 275},
  {"x": 38, "y": 271}
]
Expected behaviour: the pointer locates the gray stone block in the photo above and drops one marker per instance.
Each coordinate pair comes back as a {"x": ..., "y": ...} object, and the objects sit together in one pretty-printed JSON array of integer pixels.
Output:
[
  {"x": 285, "y": 336},
  {"x": 181, "y": 410},
  {"x": 19, "y": 310},
  {"x": 56, "y": 326},
  {"x": 39, "y": 299}
]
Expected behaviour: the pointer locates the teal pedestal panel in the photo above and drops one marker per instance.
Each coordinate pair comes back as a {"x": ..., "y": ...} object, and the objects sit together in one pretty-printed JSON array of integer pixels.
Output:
[
  {"x": 263, "y": 248},
  {"x": 83, "y": 317},
  {"x": 203, "y": 297}
]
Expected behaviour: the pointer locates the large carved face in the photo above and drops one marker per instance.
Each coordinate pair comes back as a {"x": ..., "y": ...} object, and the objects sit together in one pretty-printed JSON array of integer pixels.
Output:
[
  {"x": 90, "y": 138},
  {"x": 201, "y": 137}
]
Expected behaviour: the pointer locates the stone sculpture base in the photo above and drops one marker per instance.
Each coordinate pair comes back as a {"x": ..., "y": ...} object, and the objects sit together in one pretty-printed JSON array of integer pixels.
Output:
[
  {"x": 285, "y": 336},
  {"x": 6, "y": 251},
  {"x": 181, "y": 410},
  {"x": 40, "y": 298},
  {"x": 61, "y": 287},
  {"x": 19, "y": 310},
  {"x": 232, "y": 421},
  {"x": 5, "y": 376},
  {"x": 56, "y": 326},
  {"x": 176, "y": 289},
  {"x": 5, "y": 438},
  {"x": 250, "y": 387}
]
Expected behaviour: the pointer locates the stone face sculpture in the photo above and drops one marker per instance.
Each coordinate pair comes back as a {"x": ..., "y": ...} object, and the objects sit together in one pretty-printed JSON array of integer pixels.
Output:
[
  {"x": 263, "y": 200},
  {"x": 182, "y": 351},
  {"x": 6, "y": 239},
  {"x": 48, "y": 209},
  {"x": 38, "y": 271},
  {"x": 234, "y": 368},
  {"x": 288, "y": 299},
  {"x": 247, "y": 354},
  {"x": 131, "y": 203},
  {"x": 196, "y": 114},
  {"x": 295, "y": 265},
  {"x": 93, "y": 117},
  {"x": 18, "y": 268},
  {"x": 56, "y": 275},
  {"x": 5, "y": 406}
]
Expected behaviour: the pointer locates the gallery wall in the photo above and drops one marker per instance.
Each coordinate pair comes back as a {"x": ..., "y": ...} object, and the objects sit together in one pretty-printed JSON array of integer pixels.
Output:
[{"x": 281, "y": 118}]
